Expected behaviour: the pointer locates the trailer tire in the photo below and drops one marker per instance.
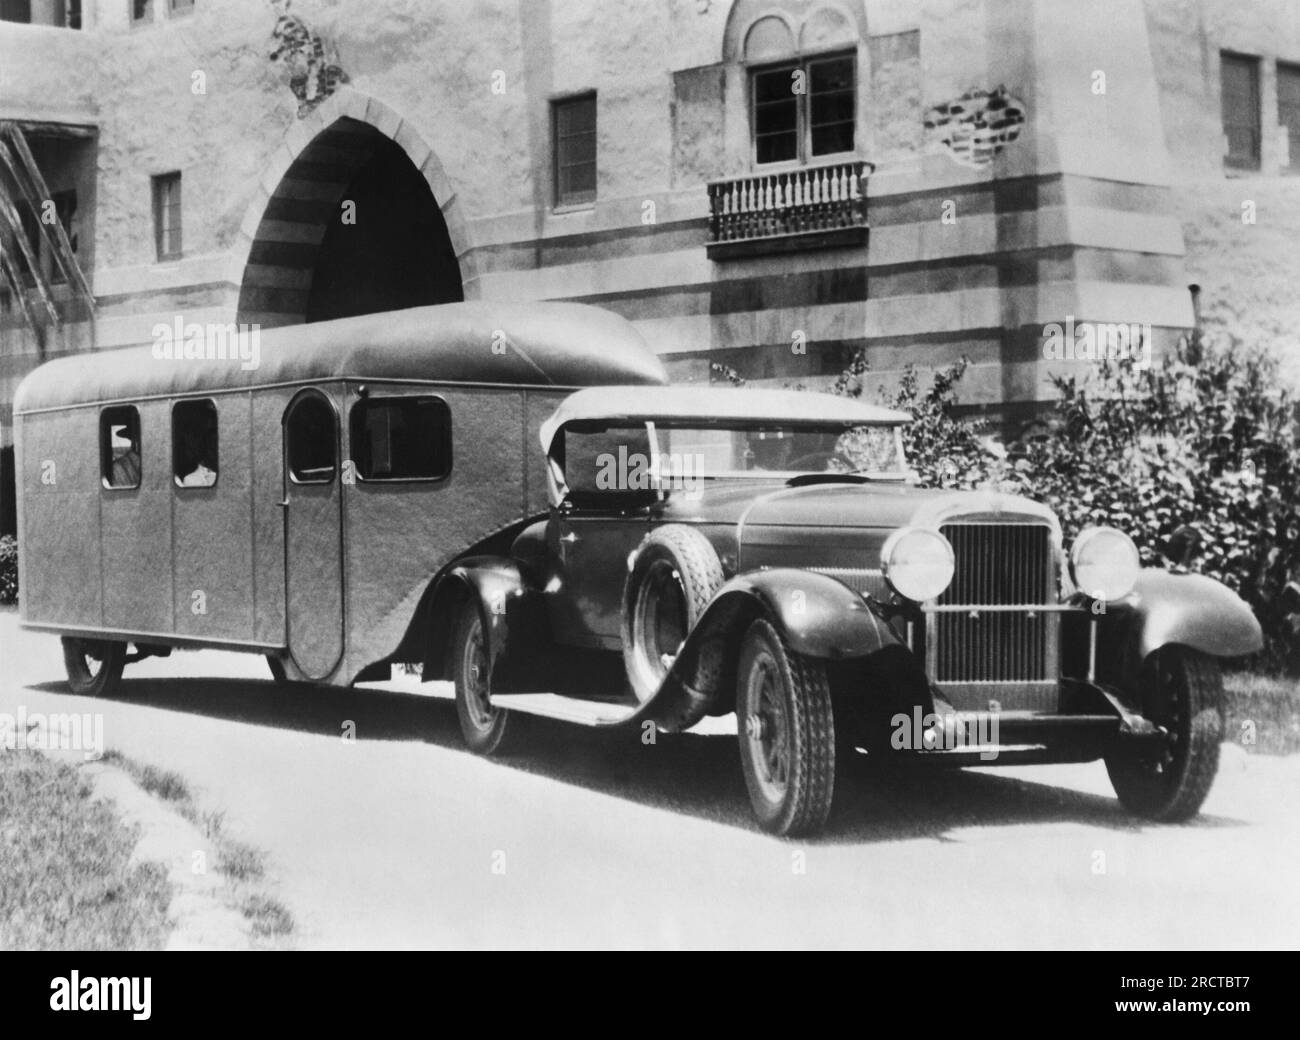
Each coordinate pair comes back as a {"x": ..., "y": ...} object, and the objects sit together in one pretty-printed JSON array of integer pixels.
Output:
[{"x": 88, "y": 681}]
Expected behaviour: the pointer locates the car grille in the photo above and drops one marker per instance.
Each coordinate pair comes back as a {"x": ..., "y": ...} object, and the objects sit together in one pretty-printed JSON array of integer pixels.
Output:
[{"x": 997, "y": 565}]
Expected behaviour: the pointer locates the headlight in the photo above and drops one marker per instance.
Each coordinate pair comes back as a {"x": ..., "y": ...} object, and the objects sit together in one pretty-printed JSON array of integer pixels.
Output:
[
  {"x": 917, "y": 563},
  {"x": 1104, "y": 563}
]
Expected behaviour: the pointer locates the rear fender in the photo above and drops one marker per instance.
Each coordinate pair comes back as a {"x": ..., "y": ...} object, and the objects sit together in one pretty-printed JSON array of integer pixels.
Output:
[{"x": 495, "y": 585}]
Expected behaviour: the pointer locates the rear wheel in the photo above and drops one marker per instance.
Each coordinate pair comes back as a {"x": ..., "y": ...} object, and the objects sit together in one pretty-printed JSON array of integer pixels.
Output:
[
  {"x": 1168, "y": 780},
  {"x": 674, "y": 576},
  {"x": 94, "y": 666},
  {"x": 787, "y": 733},
  {"x": 483, "y": 726}
]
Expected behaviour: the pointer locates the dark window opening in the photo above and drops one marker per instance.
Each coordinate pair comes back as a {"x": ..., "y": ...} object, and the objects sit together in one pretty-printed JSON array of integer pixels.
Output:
[
  {"x": 32, "y": 233},
  {"x": 61, "y": 14},
  {"x": 119, "y": 447},
  {"x": 574, "y": 129},
  {"x": 1288, "y": 111},
  {"x": 141, "y": 11},
  {"x": 606, "y": 467},
  {"x": 401, "y": 438},
  {"x": 396, "y": 254},
  {"x": 65, "y": 208},
  {"x": 804, "y": 110},
  {"x": 167, "y": 215},
  {"x": 194, "y": 443},
  {"x": 312, "y": 441},
  {"x": 1241, "y": 118},
  {"x": 182, "y": 6}
]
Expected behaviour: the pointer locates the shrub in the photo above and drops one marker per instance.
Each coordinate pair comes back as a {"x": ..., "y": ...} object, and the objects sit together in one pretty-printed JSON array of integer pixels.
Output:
[
  {"x": 8, "y": 569},
  {"x": 1197, "y": 458}
]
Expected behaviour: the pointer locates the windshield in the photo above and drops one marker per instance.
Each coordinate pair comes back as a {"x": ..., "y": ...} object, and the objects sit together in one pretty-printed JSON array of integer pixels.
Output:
[{"x": 649, "y": 457}]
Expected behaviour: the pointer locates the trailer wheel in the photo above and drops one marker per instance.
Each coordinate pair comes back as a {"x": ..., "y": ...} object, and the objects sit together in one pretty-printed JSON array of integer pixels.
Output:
[
  {"x": 94, "y": 666},
  {"x": 787, "y": 733},
  {"x": 483, "y": 726},
  {"x": 1182, "y": 692},
  {"x": 278, "y": 674},
  {"x": 674, "y": 576}
]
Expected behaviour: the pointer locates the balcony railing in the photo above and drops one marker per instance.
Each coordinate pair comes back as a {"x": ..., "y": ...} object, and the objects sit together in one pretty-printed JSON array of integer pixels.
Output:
[{"x": 811, "y": 208}]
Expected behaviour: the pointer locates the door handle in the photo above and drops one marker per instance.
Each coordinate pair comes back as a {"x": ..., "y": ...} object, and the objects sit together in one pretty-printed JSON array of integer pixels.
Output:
[
  {"x": 284, "y": 504},
  {"x": 570, "y": 538}
]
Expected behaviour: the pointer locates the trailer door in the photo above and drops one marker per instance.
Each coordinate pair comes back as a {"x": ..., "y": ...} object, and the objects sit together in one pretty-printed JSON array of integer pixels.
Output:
[{"x": 313, "y": 533}]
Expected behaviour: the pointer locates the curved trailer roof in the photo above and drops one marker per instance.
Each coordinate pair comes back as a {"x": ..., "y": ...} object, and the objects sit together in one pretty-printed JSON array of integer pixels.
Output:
[{"x": 566, "y": 345}]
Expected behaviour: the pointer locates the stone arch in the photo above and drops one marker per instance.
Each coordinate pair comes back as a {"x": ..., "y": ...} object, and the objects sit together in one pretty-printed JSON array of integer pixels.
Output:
[
  {"x": 798, "y": 15},
  {"x": 297, "y": 261}
]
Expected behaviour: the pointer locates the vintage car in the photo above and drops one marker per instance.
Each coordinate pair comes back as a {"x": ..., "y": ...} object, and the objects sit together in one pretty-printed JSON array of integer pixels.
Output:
[
  {"x": 722, "y": 544},
  {"x": 371, "y": 497}
]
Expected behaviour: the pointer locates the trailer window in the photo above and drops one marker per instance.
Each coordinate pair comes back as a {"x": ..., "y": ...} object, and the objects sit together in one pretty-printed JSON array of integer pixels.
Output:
[
  {"x": 311, "y": 441},
  {"x": 401, "y": 438},
  {"x": 194, "y": 443},
  {"x": 119, "y": 447}
]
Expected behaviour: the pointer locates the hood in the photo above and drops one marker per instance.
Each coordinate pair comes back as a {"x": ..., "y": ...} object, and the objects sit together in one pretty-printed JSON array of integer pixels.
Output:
[{"x": 845, "y": 505}]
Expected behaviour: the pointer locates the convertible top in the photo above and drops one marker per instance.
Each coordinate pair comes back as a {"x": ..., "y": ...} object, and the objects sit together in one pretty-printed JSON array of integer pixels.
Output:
[
  {"x": 708, "y": 404},
  {"x": 565, "y": 345}
]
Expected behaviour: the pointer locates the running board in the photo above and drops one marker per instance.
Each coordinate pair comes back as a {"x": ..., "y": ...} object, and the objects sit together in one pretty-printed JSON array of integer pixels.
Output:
[{"x": 567, "y": 709}]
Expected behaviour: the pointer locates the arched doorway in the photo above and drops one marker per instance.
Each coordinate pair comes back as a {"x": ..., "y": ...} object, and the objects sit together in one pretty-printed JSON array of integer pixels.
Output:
[{"x": 314, "y": 259}]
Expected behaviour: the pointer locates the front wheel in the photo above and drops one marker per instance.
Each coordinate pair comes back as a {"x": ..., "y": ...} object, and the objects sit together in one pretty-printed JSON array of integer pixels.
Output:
[
  {"x": 787, "y": 733},
  {"x": 1182, "y": 692},
  {"x": 94, "y": 666},
  {"x": 483, "y": 726}
]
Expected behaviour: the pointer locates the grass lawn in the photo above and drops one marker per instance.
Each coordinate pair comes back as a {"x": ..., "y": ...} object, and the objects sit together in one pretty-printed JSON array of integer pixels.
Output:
[
  {"x": 1265, "y": 707},
  {"x": 66, "y": 882}
]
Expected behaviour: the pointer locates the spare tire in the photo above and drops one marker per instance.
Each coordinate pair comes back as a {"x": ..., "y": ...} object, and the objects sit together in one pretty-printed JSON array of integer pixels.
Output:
[{"x": 674, "y": 576}]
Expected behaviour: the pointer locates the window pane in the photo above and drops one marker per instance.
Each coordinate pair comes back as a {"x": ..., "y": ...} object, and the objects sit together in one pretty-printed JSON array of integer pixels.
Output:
[
  {"x": 312, "y": 441},
  {"x": 1241, "y": 119},
  {"x": 777, "y": 148},
  {"x": 1288, "y": 109},
  {"x": 835, "y": 74},
  {"x": 776, "y": 116},
  {"x": 832, "y": 138},
  {"x": 607, "y": 468},
  {"x": 119, "y": 447},
  {"x": 575, "y": 150},
  {"x": 194, "y": 443},
  {"x": 774, "y": 85},
  {"x": 832, "y": 105},
  {"x": 167, "y": 215},
  {"x": 401, "y": 438}
]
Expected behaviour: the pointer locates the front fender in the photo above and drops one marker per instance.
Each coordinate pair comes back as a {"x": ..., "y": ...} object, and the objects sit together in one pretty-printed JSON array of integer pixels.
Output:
[
  {"x": 817, "y": 615},
  {"x": 1187, "y": 609}
]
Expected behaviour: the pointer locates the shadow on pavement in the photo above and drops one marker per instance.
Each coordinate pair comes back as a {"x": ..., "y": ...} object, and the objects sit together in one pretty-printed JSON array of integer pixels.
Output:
[{"x": 685, "y": 773}]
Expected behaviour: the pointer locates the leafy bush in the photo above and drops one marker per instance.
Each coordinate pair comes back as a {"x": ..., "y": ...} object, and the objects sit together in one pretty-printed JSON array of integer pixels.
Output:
[
  {"x": 8, "y": 569},
  {"x": 1197, "y": 458}
]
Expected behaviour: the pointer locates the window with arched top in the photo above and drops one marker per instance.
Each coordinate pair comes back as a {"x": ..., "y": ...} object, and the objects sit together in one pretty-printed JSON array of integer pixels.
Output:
[{"x": 802, "y": 65}]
